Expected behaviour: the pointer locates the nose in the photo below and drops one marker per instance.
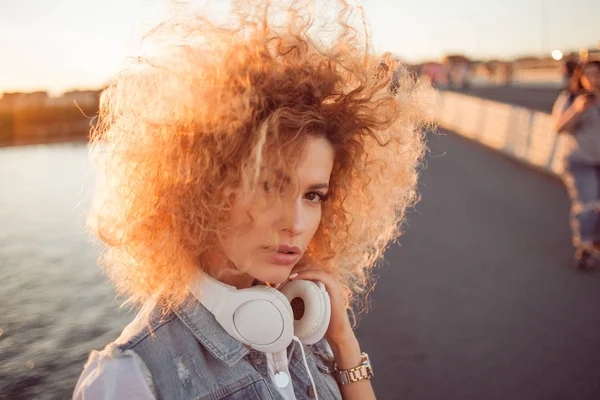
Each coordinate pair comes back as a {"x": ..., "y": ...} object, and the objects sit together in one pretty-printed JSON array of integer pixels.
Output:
[{"x": 293, "y": 221}]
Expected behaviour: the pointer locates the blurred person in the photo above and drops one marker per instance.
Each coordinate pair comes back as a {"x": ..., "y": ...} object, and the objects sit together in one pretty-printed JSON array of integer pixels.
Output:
[
  {"x": 465, "y": 71},
  {"x": 577, "y": 114},
  {"x": 508, "y": 70},
  {"x": 573, "y": 87},
  {"x": 245, "y": 159},
  {"x": 456, "y": 69},
  {"x": 569, "y": 68},
  {"x": 491, "y": 68}
]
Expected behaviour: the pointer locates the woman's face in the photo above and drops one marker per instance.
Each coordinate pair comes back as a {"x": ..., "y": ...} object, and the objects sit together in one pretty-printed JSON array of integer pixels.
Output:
[
  {"x": 591, "y": 78},
  {"x": 268, "y": 248}
]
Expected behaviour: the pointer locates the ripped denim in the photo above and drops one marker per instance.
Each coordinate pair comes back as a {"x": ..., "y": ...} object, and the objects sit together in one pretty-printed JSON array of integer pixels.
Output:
[{"x": 583, "y": 186}]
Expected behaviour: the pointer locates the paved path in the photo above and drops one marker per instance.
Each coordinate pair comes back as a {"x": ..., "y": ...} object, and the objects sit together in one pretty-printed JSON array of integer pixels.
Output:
[{"x": 480, "y": 300}]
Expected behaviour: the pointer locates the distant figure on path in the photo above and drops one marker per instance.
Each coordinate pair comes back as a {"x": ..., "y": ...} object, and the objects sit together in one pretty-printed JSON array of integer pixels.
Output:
[{"x": 577, "y": 115}]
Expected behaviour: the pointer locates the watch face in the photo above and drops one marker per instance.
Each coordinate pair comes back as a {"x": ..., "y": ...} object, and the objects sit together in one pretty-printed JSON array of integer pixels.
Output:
[{"x": 368, "y": 364}]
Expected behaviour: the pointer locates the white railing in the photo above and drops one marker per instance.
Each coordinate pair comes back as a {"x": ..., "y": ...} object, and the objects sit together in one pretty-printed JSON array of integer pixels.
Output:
[{"x": 521, "y": 133}]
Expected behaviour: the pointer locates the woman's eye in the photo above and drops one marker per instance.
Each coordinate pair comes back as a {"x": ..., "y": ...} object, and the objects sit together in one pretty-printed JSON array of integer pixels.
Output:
[{"x": 316, "y": 197}]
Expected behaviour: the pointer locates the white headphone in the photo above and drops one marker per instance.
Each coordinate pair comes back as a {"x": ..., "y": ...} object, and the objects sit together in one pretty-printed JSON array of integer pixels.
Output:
[{"x": 262, "y": 317}]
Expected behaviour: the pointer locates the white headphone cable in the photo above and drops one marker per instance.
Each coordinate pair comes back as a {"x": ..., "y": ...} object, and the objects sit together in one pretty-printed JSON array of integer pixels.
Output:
[
  {"x": 312, "y": 382},
  {"x": 291, "y": 352}
]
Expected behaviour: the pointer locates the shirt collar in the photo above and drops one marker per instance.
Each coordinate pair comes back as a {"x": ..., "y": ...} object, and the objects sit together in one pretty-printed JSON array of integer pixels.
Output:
[{"x": 209, "y": 332}]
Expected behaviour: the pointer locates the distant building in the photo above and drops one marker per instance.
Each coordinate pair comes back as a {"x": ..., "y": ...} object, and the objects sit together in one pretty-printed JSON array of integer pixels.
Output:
[
  {"x": 17, "y": 100},
  {"x": 589, "y": 54},
  {"x": 81, "y": 98},
  {"x": 457, "y": 68},
  {"x": 37, "y": 118}
]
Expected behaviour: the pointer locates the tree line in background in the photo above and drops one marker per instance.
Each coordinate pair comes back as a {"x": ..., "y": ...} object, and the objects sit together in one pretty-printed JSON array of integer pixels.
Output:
[{"x": 33, "y": 118}]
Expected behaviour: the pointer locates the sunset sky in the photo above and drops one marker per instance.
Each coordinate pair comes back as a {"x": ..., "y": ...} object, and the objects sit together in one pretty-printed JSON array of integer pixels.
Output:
[{"x": 64, "y": 44}]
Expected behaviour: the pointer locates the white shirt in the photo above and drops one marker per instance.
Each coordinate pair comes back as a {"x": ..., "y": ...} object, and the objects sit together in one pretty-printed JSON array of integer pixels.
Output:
[
  {"x": 107, "y": 377},
  {"x": 277, "y": 365},
  {"x": 583, "y": 144}
]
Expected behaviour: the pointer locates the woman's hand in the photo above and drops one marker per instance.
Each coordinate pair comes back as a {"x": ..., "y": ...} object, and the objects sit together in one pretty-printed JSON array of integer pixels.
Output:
[
  {"x": 583, "y": 102},
  {"x": 339, "y": 335}
]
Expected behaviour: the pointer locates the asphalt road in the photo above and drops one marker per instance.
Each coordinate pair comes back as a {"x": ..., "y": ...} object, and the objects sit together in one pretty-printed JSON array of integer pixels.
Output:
[{"x": 480, "y": 300}]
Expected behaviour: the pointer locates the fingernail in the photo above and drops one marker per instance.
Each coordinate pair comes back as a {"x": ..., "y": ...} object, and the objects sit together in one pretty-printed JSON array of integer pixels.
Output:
[{"x": 292, "y": 276}]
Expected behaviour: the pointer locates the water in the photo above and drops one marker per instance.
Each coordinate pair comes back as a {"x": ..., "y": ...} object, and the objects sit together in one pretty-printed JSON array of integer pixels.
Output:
[{"x": 55, "y": 305}]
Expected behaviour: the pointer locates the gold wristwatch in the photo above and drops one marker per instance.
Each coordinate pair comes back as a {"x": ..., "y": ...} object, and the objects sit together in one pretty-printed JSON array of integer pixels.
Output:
[{"x": 363, "y": 371}]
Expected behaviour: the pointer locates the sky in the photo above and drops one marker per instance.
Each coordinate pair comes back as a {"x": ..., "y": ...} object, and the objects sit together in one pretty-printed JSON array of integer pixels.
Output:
[{"x": 59, "y": 45}]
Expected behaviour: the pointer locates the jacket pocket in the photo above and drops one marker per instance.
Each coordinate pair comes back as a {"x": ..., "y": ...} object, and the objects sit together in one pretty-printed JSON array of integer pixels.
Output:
[{"x": 324, "y": 362}]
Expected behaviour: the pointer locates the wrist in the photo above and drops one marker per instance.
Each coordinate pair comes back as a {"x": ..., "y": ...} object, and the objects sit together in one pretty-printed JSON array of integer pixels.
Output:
[{"x": 346, "y": 352}]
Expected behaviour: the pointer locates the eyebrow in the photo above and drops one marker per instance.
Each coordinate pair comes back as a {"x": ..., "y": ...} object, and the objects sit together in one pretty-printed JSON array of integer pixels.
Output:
[
  {"x": 319, "y": 186},
  {"x": 287, "y": 179}
]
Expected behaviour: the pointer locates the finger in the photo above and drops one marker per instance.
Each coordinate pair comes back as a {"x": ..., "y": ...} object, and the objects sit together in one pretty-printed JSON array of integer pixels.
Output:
[
  {"x": 304, "y": 267},
  {"x": 296, "y": 270},
  {"x": 308, "y": 273},
  {"x": 282, "y": 284},
  {"x": 316, "y": 275}
]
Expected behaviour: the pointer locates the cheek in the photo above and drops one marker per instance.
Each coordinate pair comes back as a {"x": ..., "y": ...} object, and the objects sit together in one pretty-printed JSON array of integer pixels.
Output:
[
  {"x": 314, "y": 220},
  {"x": 251, "y": 227},
  {"x": 238, "y": 246},
  {"x": 238, "y": 229}
]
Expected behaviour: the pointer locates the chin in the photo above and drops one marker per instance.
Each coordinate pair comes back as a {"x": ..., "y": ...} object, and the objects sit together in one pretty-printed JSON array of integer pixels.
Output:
[{"x": 272, "y": 273}]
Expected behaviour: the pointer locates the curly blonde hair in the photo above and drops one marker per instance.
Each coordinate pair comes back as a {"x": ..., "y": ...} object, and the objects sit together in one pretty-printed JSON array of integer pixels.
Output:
[{"x": 179, "y": 132}]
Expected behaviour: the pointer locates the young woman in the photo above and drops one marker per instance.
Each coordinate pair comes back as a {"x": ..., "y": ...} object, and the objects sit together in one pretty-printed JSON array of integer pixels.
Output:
[
  {"x": 244, "y": 158},
  {"x": 577, "y": 114}
]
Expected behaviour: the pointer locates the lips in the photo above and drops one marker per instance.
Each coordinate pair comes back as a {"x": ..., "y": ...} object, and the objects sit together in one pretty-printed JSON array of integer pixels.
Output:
[
  {"x": 286, "y": 255},
  {"x": 284, "y": 248}
]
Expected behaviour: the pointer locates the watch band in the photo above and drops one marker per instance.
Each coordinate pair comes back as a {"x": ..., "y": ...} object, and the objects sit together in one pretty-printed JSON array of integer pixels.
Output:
[{"x": 356, "y": 374}]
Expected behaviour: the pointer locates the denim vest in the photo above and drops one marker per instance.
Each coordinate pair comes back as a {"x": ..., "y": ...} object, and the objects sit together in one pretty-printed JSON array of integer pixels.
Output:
[{"x": 185, "y": 354}]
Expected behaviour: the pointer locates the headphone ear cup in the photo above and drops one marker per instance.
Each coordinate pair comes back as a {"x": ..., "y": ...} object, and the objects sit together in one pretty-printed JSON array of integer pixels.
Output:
[
  {"x": 266, "y": 322},
  {"x": 280, "y": 296},
  {"x": 311, "y": 307}
]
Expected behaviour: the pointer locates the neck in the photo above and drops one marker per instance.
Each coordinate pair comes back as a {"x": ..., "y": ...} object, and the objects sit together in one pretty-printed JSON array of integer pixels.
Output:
[{"x": 234, "y": 278}]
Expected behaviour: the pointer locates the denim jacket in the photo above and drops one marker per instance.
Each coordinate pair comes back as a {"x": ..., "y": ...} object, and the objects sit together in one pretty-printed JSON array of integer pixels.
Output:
[{"x": 185, "y": 354}]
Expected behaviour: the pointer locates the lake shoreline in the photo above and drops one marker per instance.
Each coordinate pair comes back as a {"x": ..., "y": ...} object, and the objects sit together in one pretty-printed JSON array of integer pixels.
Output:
[{"x": 44, "y": 141}]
